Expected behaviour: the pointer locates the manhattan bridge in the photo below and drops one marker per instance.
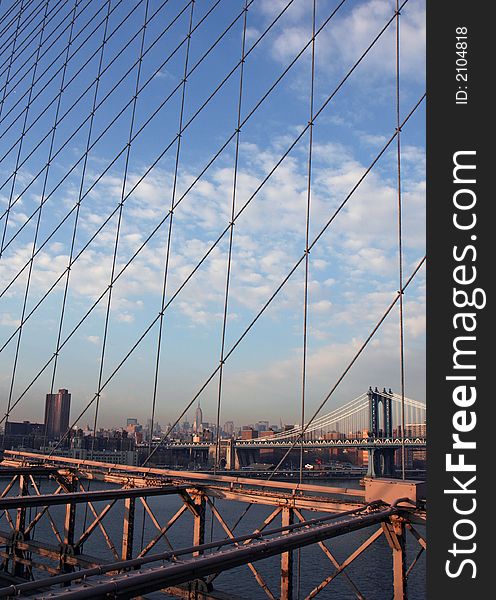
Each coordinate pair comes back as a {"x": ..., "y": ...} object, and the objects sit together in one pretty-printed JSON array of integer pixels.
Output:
[{"x": 217, "y": 200}]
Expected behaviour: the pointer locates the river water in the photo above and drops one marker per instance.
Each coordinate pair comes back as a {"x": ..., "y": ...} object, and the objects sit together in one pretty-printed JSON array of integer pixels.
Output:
[{"x": 371, "y": 572}]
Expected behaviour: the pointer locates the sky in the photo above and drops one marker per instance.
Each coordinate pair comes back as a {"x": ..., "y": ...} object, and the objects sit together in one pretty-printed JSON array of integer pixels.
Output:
[{"x": 124, "y": 191}]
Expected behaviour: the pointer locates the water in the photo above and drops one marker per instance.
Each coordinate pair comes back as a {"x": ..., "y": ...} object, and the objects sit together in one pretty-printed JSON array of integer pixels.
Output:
[{"x": 371, "y": 572}]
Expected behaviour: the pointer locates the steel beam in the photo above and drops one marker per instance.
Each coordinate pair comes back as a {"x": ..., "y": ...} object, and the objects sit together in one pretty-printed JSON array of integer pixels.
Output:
[
  {"x": 368, "y": 542},
  {"x": 18, "y": 565},
  {"x": 313, "y": 503},
  {"x": 128, "y": 529},
  {"x": 82, "y": 497},
  {"x": 98, "y": 523},
  {"x": 156, "y": 523},
  {"x": 163, "y": 531},
  {"x": 394, "y": 531},
  {"x": 199, "y": 521},
  {"x": 69, "y": 530},
  {"x": 287, "y": 518},
  {"x": 190, "y": 476},
  {"x": 112, "y": 568},
  {"x": 45, "y": 509},
  {"x": 50, "y": 551}
]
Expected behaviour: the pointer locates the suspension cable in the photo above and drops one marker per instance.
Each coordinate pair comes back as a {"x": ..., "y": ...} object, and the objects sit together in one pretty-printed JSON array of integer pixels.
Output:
[
  {"x": 28, "y": 19},
  {"x": 229, "y": 258},
  {"x": 169, "y": 232},
  {"x": 306, "y": 274},
  {"x": 118, "y": 227},
  {"x": 239, "y": 212},
  {"x": 11, "y": 9},
  {"x": 400, "y": 244},
  {"x": 76, "y": 218},
  {"x": 46, "y": 40},
  {"x": 149, "y": 169},
  {"x": 50, "y": 47},
  {"x": 218, "y": 153},
  {"x": 307, "y": 239},
  {"x": 82, "y": 66},
  {"x": 274, "y": 294},
  {"x": 68, "y": 84},
  {"x": 19, "y": 150},
  {"x": 19, "y": 335},
  {"x": 7, "y": 79},
  {"x": 112, "y": 122},
  {"x": 231, "y": 239}
]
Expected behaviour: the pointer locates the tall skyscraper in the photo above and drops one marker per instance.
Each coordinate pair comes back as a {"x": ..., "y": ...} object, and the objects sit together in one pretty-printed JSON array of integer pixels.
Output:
[
  {"x": 197, "y": 425},
  {"x": 57, "y": 411}
]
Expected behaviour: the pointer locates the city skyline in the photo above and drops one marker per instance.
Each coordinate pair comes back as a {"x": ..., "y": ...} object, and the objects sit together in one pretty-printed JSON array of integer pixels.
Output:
[{"x": 57, "y": 419}]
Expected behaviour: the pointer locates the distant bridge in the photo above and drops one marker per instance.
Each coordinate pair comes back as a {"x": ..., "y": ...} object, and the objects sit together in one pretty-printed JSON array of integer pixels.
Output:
[
  {"x": 373, "y": 421},
  {"x": 364, "y": 443}
]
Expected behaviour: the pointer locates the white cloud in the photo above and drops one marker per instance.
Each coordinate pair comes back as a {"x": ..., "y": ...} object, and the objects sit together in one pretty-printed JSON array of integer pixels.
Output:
[
  {"x": 350, "y": 32},
  {"x": 268, "y": 236}
]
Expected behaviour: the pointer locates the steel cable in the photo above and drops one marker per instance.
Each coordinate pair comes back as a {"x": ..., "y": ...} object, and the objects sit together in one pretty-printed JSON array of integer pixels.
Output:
[
  {"x": 171, "y": 220},
  {"x": 118, "y": 227}
]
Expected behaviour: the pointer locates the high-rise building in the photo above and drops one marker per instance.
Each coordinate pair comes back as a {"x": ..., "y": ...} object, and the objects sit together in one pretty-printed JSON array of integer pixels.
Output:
[
  {"x": 229, "y": 427},
  {"x": 57, "y": 411},
  {"x": 262, "y": 426},
  {"x": 197, "y": 424}
]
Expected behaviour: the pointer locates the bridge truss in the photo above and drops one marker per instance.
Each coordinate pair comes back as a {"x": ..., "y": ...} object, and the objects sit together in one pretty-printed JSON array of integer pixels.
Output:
[{"x": 127, "y": 566}]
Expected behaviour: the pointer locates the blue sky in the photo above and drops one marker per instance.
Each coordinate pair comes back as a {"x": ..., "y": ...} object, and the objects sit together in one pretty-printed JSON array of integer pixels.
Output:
[{"x": 353, "y": 268}]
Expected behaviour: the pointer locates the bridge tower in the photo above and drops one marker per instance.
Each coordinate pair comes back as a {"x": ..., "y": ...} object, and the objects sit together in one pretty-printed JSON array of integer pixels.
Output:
[
  {"x": 231, "y": 454},
  {"x": 381, "y": 460}
]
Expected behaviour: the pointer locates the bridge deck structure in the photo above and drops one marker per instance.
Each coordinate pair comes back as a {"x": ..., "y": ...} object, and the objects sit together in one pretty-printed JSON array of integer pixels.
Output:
[{"x": 300, "y": 514}]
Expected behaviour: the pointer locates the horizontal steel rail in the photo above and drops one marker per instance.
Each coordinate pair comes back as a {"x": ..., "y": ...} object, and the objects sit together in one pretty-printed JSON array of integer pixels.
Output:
[
  {"x": 178, "y": 475},
  {"x": 82, "y": 497}
]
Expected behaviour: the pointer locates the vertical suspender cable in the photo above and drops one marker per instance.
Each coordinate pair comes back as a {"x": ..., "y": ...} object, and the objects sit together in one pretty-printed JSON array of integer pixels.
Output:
[
  {"x": 307, "y": 266},
  {"x": 230, "y": 244},
  {"x": 19, "y": 334},
  {"x": 48, "y": 164},
  {"x": 5, "y": 87},
  {"x": 217, "y": 154},
  {"x": 76, "y": 219},
  {"x": 307, "y": 240},
  {"x": 76, "y": 216},
  {"x": 229, "y": 254},
  {"x": 313, "y": 243},
  {"x": 400, "y": 242},
  {"x": 169, "y": 233},
  {"x": 118, "y": 227}
]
